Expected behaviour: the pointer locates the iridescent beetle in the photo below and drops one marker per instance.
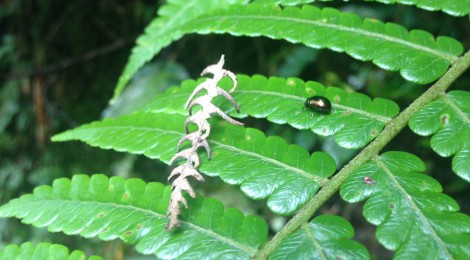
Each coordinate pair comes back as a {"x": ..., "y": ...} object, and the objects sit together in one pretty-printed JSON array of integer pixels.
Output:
[{"x": 318, "y": 104}]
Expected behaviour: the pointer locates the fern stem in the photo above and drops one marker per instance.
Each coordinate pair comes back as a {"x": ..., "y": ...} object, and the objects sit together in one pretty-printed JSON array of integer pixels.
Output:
[{"x": 372, "y": 150}]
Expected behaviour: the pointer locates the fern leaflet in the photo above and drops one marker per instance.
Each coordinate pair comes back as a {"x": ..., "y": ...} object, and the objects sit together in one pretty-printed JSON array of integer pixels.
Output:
[
  {"x": 448, "y": 120},
  {"x": 354, "y": 121},
  {"x": 42, "y": 251},
  {"x": 409, "y": 209},
  {"x": 163, "y": 30},
  {"x": 452, "y": 7},
  {"x": 421, "y": 58},
  {"x": 325, "y": 237},
  {"x": 135, "y": 212},
  {"x": 286, "y": 175}
]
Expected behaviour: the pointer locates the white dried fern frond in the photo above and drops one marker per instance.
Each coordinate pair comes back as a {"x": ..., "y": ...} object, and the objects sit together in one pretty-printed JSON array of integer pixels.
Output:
[{"x": 199, "y": 137}]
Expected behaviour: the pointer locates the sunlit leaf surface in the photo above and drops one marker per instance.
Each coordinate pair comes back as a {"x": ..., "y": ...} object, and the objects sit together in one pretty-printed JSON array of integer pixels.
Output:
[
  {"x": 354, "y": 121},
  {"x": 409, "y": 208},
  {"x": 448, "y": 121},
  {"x": 416, "y": 54},
  {"x": 325, "y": 237},
  {"x": 265, "y": 168},
  {"x": 135, "y": 212}
]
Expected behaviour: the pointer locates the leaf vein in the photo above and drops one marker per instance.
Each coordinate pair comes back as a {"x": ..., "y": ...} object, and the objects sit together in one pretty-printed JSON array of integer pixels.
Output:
[
  {"x": 418, "y": 212},
  {"x": 388, "y": 38},
  {"x": 303, "y": 173}
]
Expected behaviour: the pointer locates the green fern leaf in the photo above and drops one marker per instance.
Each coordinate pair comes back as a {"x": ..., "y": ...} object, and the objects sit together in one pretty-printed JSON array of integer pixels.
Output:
[
  {"x": 354, "y": 121},
  {"x": 448, "y": 120},
  {"x": 136, "y": 213},
  {"x": 325, "y": 237},
  {"x": 452, "y": 7},
  {"x": 266, "y": 168},
  {"x": 409, "y": 208},
  {"x": 28, "y": 251},
  {"x": 287, "y": 2},
  {"x": 421, "y": 58},
  {"x": 163, "y": 30}
]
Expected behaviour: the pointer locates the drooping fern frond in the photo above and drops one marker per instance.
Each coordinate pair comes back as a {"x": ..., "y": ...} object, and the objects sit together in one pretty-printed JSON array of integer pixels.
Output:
[
  {"x": 452, "y": 7},
  {"x": 325, "y": 237},
  {"x": 448, "y": 120},
  {"x": 164, "y": 29},
  {"x": 42, "y": 251},
  {"x": 354, "y": 121},
  {"x": 416, "y": 54},
  {"x": 409, "y": 209},
  {"x": 285, "y": 174},
  {"x": 135, "y": 212}
]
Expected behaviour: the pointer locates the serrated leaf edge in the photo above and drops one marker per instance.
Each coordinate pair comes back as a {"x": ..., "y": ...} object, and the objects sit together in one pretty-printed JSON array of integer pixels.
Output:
[
  {"x": 422, "y": 218},
  {"x": 32, "y": 199}
]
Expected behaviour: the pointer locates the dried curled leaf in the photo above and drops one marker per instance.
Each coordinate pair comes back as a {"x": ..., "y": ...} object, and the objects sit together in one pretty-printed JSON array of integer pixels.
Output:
[{"x": 199, "y": 137}]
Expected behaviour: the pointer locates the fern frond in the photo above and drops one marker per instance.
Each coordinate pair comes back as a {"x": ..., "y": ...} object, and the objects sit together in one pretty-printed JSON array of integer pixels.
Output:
[
  {"x": 354, "y": 121},
  {"x": 135, "y": 212},
  {"x": 448, "y": 120},
  {"x": 163, "y": 30},
  {"x": 416, "y": 54},
  {"x": 42, "y": 251},
  {"x": 325, "y": 237},
  {"x": 409, "y": 209},
  {"x": 452, "y": 7},
  {"x": 286, "y": 175}
]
